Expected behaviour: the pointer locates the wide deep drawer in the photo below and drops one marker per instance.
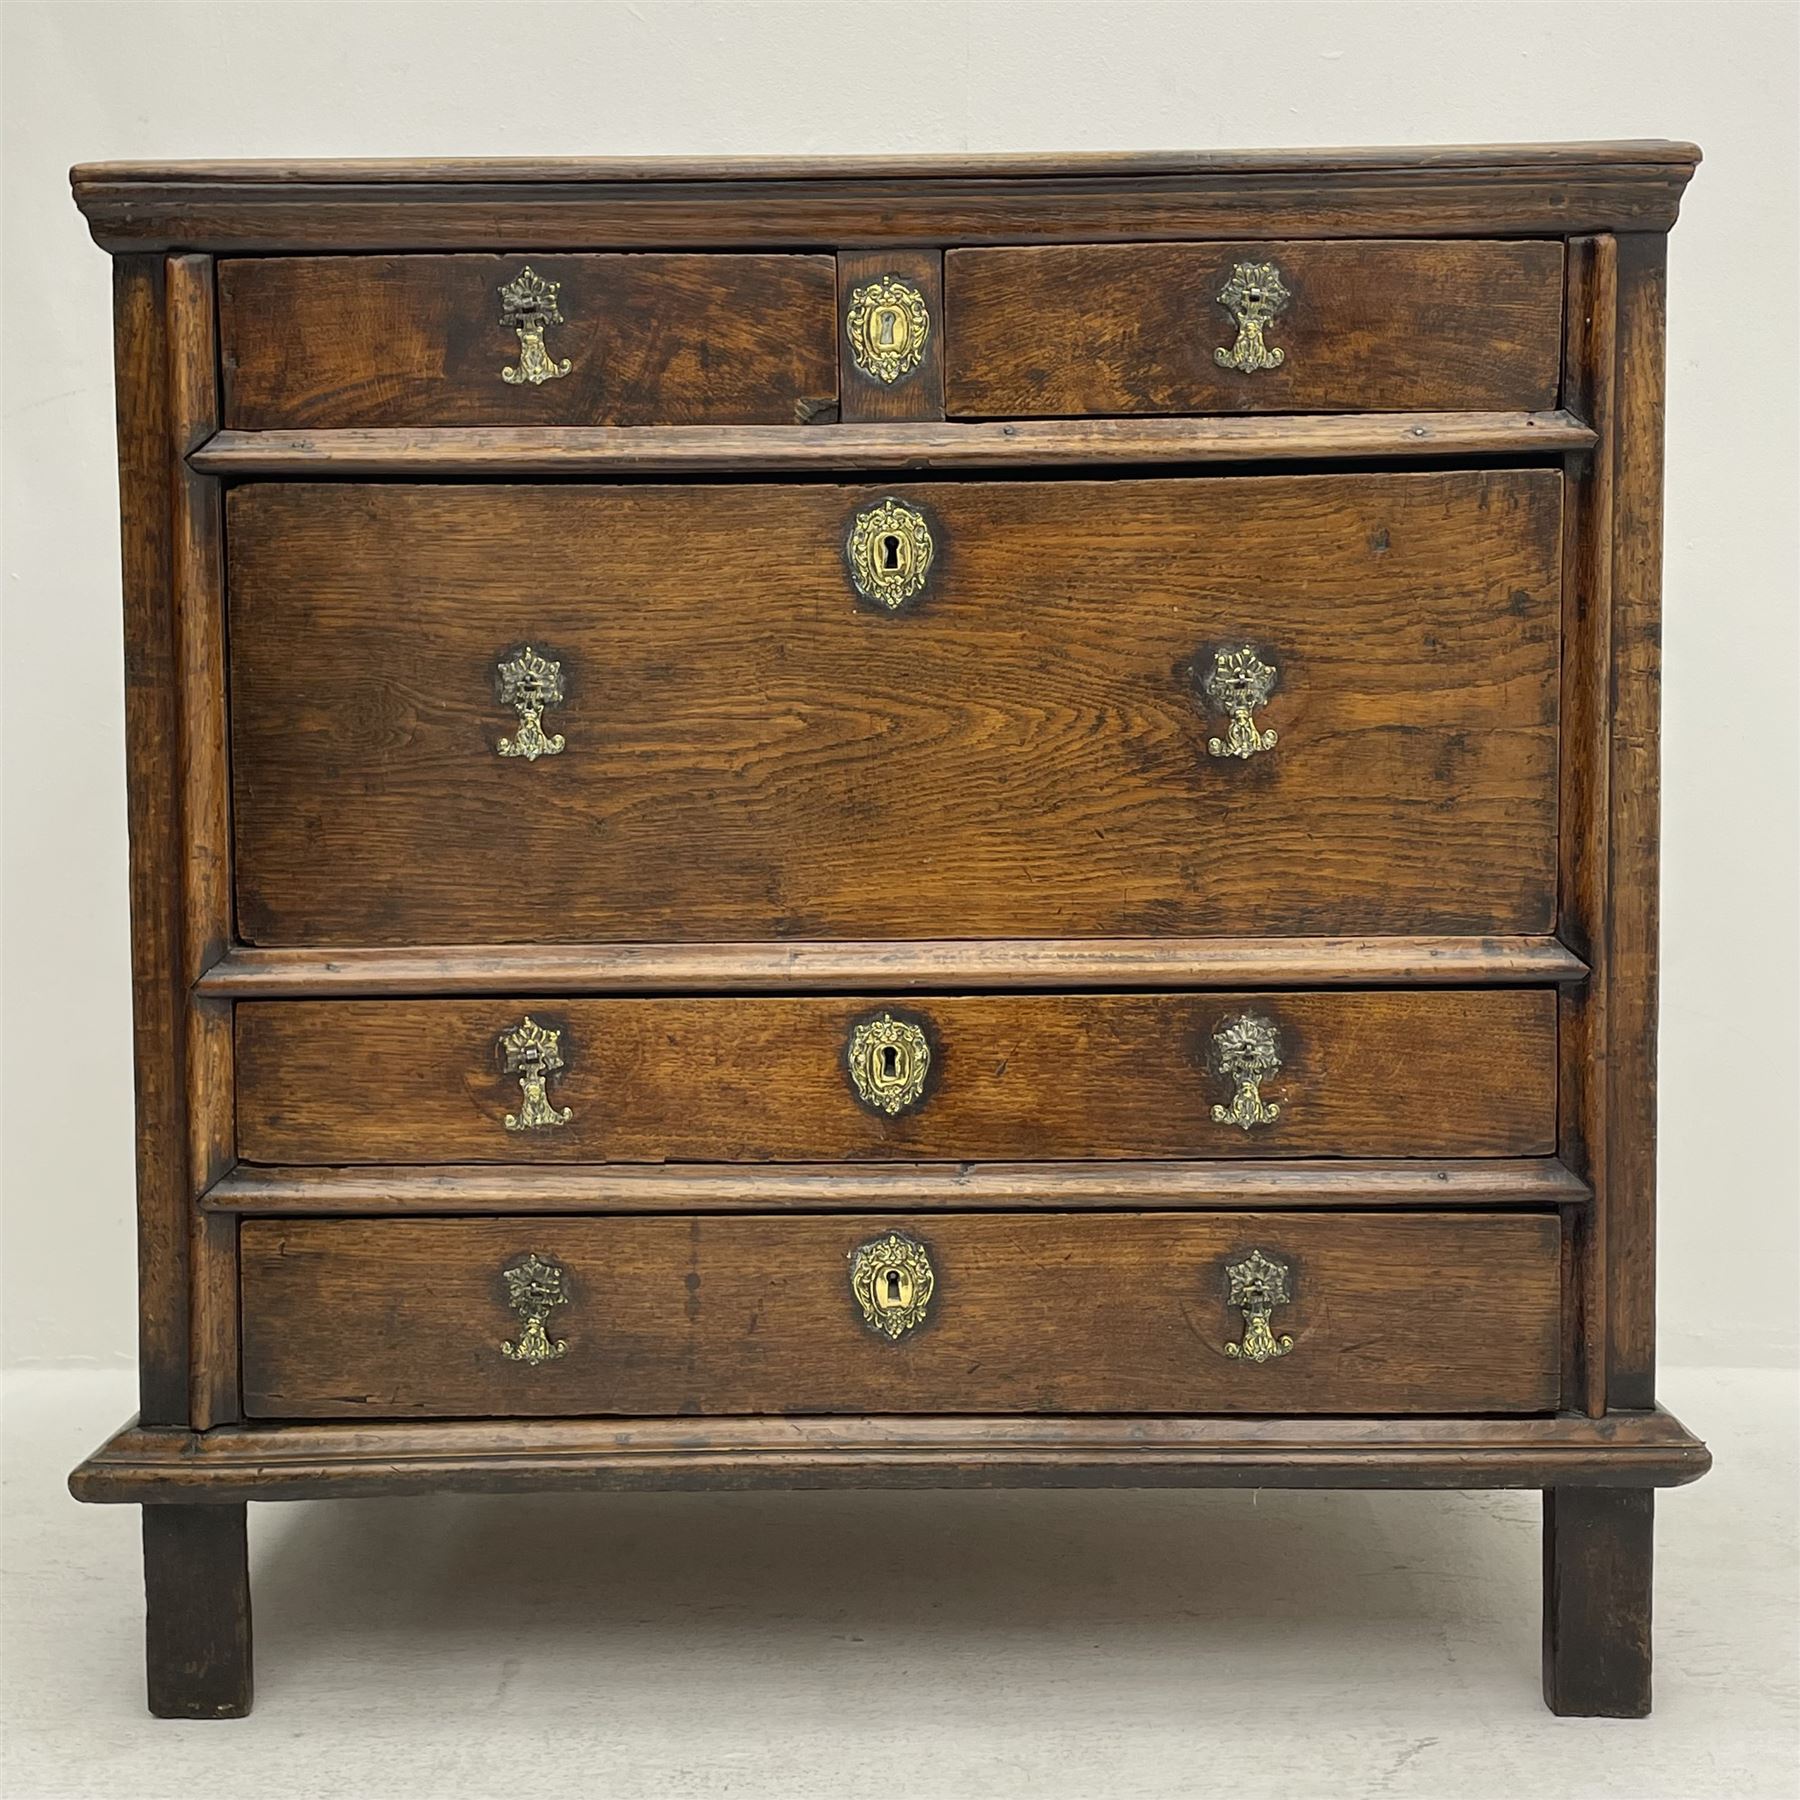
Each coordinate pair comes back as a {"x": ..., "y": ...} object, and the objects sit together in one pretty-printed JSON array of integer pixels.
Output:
[
  {"x": 996, "y": 1077},
  {"x": 947, "y": 1313},
  {"x": 1053, "y": 330},
  {"x": 1304, "y": 705},
  {"x": 472, "y": 340}
]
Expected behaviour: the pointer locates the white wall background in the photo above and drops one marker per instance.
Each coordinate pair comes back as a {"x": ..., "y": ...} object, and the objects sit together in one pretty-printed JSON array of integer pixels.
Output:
[{"x": 93, "y": 82}]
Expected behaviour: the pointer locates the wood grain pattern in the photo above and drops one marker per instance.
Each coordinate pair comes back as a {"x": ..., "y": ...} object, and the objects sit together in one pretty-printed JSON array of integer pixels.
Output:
[
  {"x": 1634, "y": 805},
  {"x": 213, "y": 1320},
  {"x": 252, "y": 973},
  {"x": 153, "y": 818},
  {"x": 197, "y": 1644},
  {"x": 1019, "y": 1077},
  {"x": 1023, "y": 754},
  {"x": 304, "y": 1462},
  {"x": 1127, "y": 1313},
  {"x": 197, "y": 602},
  {"x": 1583, "y": 874},
  {"x": 1045, "y": 330},
  {"x": 919, "y": 394},
  {"x": 420, "y": 340},
  {"x": 649, "y": 204},
  {"x": 507, "y": 171},
  {"x": 1598, "y": 1556},
  {"x": 905, "y": 1187},
  {"x": 914, "y": 445},
  {"x": 197, "y": 596}
]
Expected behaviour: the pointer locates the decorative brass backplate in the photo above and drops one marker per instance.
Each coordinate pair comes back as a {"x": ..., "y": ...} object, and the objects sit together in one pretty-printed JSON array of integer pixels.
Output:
[
  {"x": 534, "y": 1054},
  {"x": 890, "y": 552},
  {"x": 529, "y": 683},
  {"x": 1255, "y": 296},
  {"x": 892, "y": 1280},
  {"x": 1258, "y": 1285},
  {"x": 1246, "y": 1052},
  {"x": 887, "y": 324},
  {"x": 533, "y": 1288},
  {"x": 1238, "y": 682},
  {"x": 889, "y": 1059},
  {"x": 528, "y": 305}
]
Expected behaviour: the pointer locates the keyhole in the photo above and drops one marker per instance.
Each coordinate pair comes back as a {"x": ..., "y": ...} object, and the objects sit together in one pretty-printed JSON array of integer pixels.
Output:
[
  {"x": 893, "y": 1287},
  {"x": 890, "y": 1062},
  {"x": 890, "y": 552},
  {"x": 886, "y": 329}
]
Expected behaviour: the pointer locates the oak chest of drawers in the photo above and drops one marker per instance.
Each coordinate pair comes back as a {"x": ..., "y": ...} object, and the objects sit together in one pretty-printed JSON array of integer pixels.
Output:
[{"x": 967, "y": 823}]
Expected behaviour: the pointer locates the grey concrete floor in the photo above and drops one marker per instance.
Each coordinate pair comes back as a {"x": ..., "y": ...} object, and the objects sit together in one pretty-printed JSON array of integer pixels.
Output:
[{"x": 937, "y": 1646}]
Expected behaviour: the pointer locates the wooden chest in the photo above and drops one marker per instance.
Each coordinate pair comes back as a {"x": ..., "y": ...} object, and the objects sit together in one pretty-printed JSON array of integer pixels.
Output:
[{"x": 934, "y": 823}]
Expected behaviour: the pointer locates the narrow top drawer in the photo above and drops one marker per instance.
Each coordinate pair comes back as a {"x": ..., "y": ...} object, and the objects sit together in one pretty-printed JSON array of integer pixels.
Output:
[
  {"x": 1064, "y": 330},
  {"x": 527, "y": 340}
]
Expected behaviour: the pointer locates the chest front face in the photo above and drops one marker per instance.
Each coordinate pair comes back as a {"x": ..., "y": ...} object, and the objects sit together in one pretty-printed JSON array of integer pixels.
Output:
[{"x": 983, "y": 820}]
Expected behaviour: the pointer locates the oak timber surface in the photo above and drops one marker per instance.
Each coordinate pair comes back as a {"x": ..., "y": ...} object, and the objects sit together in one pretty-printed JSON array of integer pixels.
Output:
[
  {"x": 420, "y": 340},
  {"x": 1652, "y": 153},
  {"x": 1443, "y": 1072},
  {"x": 754, "y": 752},
  {"x": 981, "y": 446},
  {"x": 1127, "y": 1313},
  {"x": 663, "y": 204},
  {"x": 1048, "y": 330},
  {"x": 304, "y": 1461},
  {"x": 375, "y": 1189}
]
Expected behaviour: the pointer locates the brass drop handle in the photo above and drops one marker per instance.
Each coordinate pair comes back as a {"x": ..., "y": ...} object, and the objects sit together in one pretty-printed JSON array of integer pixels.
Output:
[
  {"x": 529, "y": 684},
  {"x": 893, "y": 1280},
  {"x": 1256, "y": 297},
  {"x": 535, "y": 1286},
  {"x": 533, "y": 1053},
  {"x": 1257, "y": 1285},
  {"x": 1246, "y": 1052},
  {"x": 1238, "y": 682},
  {"x": 528, "y": 305}
]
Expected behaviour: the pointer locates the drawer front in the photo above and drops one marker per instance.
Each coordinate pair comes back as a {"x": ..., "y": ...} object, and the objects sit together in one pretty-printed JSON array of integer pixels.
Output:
[
  {"x": 1058, "y": 330},
  {"x": 991, "y": 1077},
  {"x": 1289, "y": 704},
  {"x": 469, "y": 340},
  {"x": 953, "y": 1313}
]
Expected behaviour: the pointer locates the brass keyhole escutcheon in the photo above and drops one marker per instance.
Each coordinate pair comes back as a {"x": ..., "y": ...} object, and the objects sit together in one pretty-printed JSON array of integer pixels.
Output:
[
  {"x": 892, "y": 1280},
  {"x": 889, "y": 1060},
  {"x": 887, "y": 323},
  {"x": 889, "y": 551}
]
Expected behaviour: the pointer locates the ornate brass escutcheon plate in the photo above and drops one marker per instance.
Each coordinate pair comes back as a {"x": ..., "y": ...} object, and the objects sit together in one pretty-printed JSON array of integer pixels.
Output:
[
  {"x": 1247, "y": 1051},
  {"x": 889, "y": 550},
  {"x": 1256, "y": 297},
  {"x": 1258, "y": 1285},
  {"x": 534, "y": 1286},
  {"x": 889, "y": 1060},
  {"x": 892, "y": 1280},
  {"x": 887, "y": 324}
]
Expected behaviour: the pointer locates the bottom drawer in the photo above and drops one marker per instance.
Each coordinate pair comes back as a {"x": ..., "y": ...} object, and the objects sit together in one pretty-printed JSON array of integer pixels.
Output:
[{"x": 948, "y": 1313}]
